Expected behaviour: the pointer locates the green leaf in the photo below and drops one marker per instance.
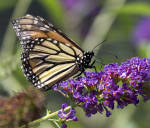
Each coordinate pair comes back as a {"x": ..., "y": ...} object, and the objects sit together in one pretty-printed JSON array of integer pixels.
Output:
[
  {"x": 54, "y": 8},
  {"x": 56, "y": 124},
  {"x": 136, "y": 9},
  {"x": 7, "y": 4}
]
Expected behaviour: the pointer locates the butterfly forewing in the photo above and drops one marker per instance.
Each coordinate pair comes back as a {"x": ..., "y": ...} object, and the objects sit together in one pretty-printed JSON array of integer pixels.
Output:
[{"x": 48, "y": 56}]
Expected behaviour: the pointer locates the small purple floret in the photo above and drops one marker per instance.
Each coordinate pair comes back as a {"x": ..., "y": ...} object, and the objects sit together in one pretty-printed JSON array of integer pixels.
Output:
[
  {"x": 65, "y": 117},
  {"x": 63, "y": 125}
]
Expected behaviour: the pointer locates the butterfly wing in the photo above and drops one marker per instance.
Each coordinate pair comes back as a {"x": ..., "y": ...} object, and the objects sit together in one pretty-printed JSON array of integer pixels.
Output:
[{"x": 48, "y": 56}]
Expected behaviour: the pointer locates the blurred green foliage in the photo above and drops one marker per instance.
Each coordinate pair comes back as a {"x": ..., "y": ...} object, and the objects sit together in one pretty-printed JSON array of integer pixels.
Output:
[
  {"x": 55, "y": 7},
  {"x": 114, "y": 20},
  {"x": 6, "y": 4},
  {"x": 136, "y": 9}
]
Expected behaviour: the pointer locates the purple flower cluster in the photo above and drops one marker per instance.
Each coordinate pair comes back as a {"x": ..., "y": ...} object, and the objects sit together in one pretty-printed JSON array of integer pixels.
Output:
[
  {"x": 99, "y": 91},
  {"x": 70, "y": 116}
]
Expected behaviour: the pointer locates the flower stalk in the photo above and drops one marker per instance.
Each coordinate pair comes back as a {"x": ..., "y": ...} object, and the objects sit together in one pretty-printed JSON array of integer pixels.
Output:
[{"x": 46, "y": 117}]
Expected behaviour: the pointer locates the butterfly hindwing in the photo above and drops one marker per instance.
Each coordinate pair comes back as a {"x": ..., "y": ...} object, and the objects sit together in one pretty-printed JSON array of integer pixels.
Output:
[{"x": 45, "y": 65}]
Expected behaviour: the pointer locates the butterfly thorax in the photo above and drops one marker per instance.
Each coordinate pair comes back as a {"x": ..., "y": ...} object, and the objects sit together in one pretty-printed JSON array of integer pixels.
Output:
[{"x": 84, "y": 61}]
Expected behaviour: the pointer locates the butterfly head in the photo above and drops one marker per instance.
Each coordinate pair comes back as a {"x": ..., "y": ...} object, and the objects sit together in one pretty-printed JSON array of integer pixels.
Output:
[
  {"x": 88, "y": 56},
  {"x": 84, "y": 62}
]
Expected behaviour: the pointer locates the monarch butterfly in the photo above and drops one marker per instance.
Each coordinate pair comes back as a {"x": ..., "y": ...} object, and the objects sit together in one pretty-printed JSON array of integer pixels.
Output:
[{"x": 48, "y": 55}]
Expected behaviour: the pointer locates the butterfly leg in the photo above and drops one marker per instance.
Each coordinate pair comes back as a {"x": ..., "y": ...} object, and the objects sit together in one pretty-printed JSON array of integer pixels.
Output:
[
  {"x": 82, "y": 71},
  {"x": 100, "y": 61},
  {"x": 93, "y": 66}
]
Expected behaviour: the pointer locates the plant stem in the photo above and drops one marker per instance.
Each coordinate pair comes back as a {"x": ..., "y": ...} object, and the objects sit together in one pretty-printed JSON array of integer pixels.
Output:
[{"x": 43, "y": 118}]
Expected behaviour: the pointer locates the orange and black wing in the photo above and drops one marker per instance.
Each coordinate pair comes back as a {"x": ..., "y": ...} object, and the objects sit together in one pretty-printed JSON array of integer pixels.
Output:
[{"x": 48, "y": 56}]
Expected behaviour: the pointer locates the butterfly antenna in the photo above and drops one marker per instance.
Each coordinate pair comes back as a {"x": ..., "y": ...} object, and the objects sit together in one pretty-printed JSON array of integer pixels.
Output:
[
  {"x": 109, "y": 53},
  {"x": 99, "y": 44}
]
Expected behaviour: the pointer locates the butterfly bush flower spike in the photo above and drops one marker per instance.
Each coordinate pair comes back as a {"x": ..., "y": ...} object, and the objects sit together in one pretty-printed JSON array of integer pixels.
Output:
[
  {"x": 65, "y": 117},
  {"x": 97, "y": 92}
]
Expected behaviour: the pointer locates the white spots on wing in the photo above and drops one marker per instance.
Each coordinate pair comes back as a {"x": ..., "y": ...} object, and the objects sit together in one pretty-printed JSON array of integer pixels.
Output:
[
  {"x": 28, "y": 37},
  {"x": 43, "y": 29},
  {"x": 49, "y": 39},
  {"x": 33, "y": 77},
  {"x": 31, "y": 45},
  {"x": 38, "y": 42},
  {"x": 17, "y": 21},
  {"x": 35, "y": 21},
  {"x": 19, "y": 26},
  {"x": 46, "y": 26},
  {"x": 32, "y": 41},
  {"x": 18, "y": 34},
  {"x": 29, "y": 16},
  {"x": 41, "y": 39},
  {"x": 28, "y": 41},
  {"x": 42, "y": 85},
  {"x": 68, "y": 45},
  {"x": 23, "y": 38},
  {"x": 38, "y": 82},
  {"x": 55, "y": 41},
  {"x": 36, "y": 39}
]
